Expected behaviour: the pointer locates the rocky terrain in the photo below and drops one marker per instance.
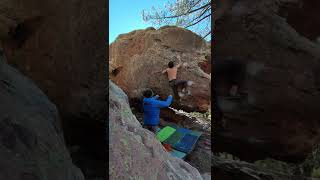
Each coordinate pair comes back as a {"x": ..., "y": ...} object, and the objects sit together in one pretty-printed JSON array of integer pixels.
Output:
[
  {"x": 134, "y": 152},
  {"x": 32, "y": 143},
  {"x": 60, "y": 46},
  {"x": 230, "y": 169},
  {"x": 201, "y": 156},
  {"x": 279, "y": 117},
  {"x": 136, "y": 60},
  {"x": 227, "y": 166}
]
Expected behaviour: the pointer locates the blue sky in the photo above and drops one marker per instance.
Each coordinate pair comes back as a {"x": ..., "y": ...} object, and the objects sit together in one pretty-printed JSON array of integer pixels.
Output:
[{"x": 125, "y": 15}]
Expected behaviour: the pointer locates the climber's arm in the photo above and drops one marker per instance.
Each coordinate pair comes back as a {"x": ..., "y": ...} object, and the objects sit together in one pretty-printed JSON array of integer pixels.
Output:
[
  {"x": 155, "y": 72},
  {"x": 180, "y": 62},
  {"x": 163, "y": 104}
]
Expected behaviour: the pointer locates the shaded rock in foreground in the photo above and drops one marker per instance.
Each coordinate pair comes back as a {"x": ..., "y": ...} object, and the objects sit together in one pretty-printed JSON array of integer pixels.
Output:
[
  {"x": 134, "y": 151},
  {"x": 60, "y": 45},
  {"x": 32, "y": 144},
  {"x": 201, "y": 156},
  {"x": 229, "y": 170},
  {"x": 280, "y": 116}
]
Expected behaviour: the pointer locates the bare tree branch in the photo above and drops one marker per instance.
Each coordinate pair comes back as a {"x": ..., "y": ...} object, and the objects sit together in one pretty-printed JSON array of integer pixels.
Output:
[
  {"x": 183, "y": 14},
  {"x": 194, "y": 5},
  {"x": 207, "y": 35},
  {"x": 191, "y": 14},
  {"x": 198, "y": 21},
  {"x": 199, "y": 16}
]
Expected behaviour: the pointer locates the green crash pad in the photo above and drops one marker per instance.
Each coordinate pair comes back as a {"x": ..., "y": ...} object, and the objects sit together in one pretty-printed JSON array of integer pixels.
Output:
[
  {"x": 174, "y": 138},
  {"x": 182, "y": 140},
  {"x": 165, "y": 133}
]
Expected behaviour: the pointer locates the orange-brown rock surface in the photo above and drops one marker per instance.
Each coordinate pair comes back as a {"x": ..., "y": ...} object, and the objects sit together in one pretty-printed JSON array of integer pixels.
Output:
[{"x": 136, "y": 58}]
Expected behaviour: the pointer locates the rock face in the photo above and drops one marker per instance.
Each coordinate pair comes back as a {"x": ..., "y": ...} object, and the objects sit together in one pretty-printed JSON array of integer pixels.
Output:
[
  {"x": 60, "y": 45},
  {"x": 136, "y": 59},
  {"x": 133, "y": 151},
  {"x": 32, "y": 144},
  {"x": 279, "y": 118},
  {"x": 229, "y": 169}
]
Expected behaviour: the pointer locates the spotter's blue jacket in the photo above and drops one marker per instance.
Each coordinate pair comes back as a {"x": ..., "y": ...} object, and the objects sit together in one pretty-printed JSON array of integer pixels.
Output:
[{"x": 151, "y": 110}]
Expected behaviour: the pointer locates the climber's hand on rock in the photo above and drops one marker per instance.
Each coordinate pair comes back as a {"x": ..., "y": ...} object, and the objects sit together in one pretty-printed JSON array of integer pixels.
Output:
[{"x": 179, "y": 58}]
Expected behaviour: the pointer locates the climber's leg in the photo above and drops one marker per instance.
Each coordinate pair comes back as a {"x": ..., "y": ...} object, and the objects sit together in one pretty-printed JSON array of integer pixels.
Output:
[
  {"x": 182, "y": 84},
  {"x": 172, "y": 84}
]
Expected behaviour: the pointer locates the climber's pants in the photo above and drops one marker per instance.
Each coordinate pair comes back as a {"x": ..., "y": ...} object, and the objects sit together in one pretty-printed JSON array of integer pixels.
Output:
[{"x": 174, "y": 84}]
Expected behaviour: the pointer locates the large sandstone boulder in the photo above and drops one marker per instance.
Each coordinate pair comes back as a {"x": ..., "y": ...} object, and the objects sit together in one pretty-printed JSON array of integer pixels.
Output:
[
  {"x": 32, "y": 144},
  {"x": 136, "y": 58},
  {"x": 280, "y": 116},
  {"x": 60, "y": 45},
  {"x": 134, "y": 151}
]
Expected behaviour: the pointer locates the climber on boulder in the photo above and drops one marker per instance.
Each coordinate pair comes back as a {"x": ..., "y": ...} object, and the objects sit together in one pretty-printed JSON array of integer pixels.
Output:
[
  {"x": 151, "y": 110},
  {"x": 172, "y": 76}
]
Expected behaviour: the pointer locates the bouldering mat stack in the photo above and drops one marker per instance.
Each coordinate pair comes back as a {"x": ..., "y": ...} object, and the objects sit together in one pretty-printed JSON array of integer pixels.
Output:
[
  {"x": 178, "y": 154},
  {"x": 165, "y": 133},
  {"x": 187, "y": 143},
  {"x": 181, "y": 140}
]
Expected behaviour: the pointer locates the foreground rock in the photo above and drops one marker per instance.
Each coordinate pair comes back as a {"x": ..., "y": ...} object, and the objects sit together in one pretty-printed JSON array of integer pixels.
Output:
[
  {"x": 229, "y": 169},
  {"x": 201, "y": 156},
  {"x": 279, "y": 118},
  {"x": 32, "y": 144},
  {"x": 134, "y": 152},
  {"x": 60, "y": 45},
  {"x": 136, "y": 59}
]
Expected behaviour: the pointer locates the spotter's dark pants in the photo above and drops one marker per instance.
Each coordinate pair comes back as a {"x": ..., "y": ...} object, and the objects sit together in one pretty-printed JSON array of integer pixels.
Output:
[{"x": 151, "y": 128}]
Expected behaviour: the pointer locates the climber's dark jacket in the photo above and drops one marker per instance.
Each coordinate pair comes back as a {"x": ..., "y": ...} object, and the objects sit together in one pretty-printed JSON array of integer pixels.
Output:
[{"x": 151, "y": 110}]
